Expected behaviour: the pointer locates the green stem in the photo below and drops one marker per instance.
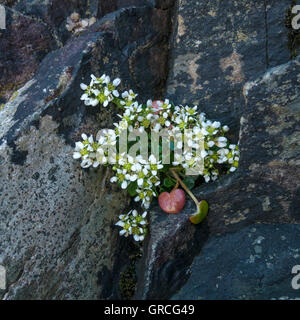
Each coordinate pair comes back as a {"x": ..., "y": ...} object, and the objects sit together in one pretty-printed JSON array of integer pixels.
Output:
[
  {"x": 188, "y": 191},
  {"x": 116, "y": 101},
  {"x": 176, "y": 187}
]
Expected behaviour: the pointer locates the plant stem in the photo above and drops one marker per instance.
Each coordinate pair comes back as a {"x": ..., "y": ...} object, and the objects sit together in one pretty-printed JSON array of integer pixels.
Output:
[
  {"x": 117, "y": 102},
  {"x": 188, "y": 191},
  {"x": 176, "y": 187}
]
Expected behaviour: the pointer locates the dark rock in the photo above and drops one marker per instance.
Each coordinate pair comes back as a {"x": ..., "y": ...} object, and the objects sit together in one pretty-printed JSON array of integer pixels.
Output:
[
  {"x": 38, "y": 27},
  {"x": 253, "y": 263},
  {"x": 8, "y": 3},
  {"x": 108, "y": 6},
  {"x": 173, "y": 243},
  {"x": 54, "y": 13},
  {"x": 23, "y": 45},
  {"x": 57, "y": 232},
  {"x": 218, "y": 46},
  {"x": 265, "y": 189},
  {"x": 277, "y": 50}
]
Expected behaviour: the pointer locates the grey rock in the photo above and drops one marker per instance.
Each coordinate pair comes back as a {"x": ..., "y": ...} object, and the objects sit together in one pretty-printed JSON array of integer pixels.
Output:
[
  {"x": 277, "y": 49},
  {"x": 57, "y": 234},
  {"x": 230, "y": 268},
  {"x": 220, "y": 45},
  {"x": 54, "y": 13},
  {"x": 20, "y": 55},
  {"x": 265, "y": 189},
  {"x": 168, "y": 252}
]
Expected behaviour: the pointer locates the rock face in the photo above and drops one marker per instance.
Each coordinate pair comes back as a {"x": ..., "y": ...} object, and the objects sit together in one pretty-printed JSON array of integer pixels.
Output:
[
  {"x": 20, "y": 55},
  {"x": 264, "y": 193},
  {"x": 57, "y": 234},
  {"x": 45, "y": 24},
  {"x": 246, "y": 264},
  {"x": 54, "y": 13},
  {"x": 218, "y": 46}
]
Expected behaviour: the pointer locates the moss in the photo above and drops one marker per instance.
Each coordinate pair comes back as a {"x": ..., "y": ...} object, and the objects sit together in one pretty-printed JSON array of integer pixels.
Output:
[
  {"x": 8, "y": 3},
  {"x": 63, "y": 82},
  {"x": 9, "y": 90},
  {"x": 14, "y": 95},
  {"x": 88, "y": 10},
  {"x": 2, "y": 106},
  {"x": 127, "y": 282},
  {"x": 293, "y": 35}
]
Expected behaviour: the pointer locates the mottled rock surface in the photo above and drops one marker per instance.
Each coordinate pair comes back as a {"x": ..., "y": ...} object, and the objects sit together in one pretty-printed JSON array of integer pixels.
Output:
[
  {"x": 252, "y": 263},
  {"x": 218, "y": 46},
  {"x": 34, "y": 28},
  {"x": 265, "y": 112},
  {"x": 264, "y": 190},
  {"x": 57, "y": 234},
  {"x": 54, "y": 13},
  {"x": 23, "y": 45}
]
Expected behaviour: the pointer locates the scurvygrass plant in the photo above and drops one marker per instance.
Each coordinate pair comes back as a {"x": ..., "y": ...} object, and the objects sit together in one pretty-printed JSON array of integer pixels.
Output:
[{"x": 193, "y": 148}]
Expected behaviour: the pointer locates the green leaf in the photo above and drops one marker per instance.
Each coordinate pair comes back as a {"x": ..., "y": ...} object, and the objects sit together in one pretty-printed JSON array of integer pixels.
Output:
[
  {"x": 190, "y": 182},
  {"x": 132, "y": 189},
  {"x": 168, "y": 183},
  {"x": 201, "y": 214},
  {"x": 203, "y": 207}
]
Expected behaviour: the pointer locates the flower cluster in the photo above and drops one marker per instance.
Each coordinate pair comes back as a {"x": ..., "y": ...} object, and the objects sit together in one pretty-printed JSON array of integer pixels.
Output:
[
  {"x": 206, "y": 139},
  {"x": 133, "y": 224},
  {"x": 95, "y": 153},
  {"x": 100, "y": 90},
  {"x": 141, "y": 174},
  {"x": 206, "y": 150}
]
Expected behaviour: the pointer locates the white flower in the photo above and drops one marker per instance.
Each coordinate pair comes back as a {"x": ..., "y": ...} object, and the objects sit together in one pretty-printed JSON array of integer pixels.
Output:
[
  {"x": 129, "y": 95},
  {"x": 116, "y": 82},
  {"x": 145, "y": 195},
  {"x": 225, "y": 128},
  {"x": 133, "y": 224},
  {"x": 216, "y": 125},
  {"x": 221, "y": 142},
  {"x": 154, "y": 165},
  {"x": 76, "y": 155},
  {"x": 105, "y": 79},
  {"x": 191, "y": 111},
  {"x": 86, "y": 163},
  {"x": 94, "y": 102},
  {"x": 204, "y": 154},
  {"x": 207, "y": 178},
  {"x": 122, "y": 232},
  {"x": 146, "y": 174},
  {"x": 113, "y": 179},
  {"x": 144, "y": 215},
  {"x": 83, "y": 86}
]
